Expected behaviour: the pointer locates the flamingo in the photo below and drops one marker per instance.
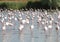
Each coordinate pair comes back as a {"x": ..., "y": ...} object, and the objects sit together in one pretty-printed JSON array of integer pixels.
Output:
[
  {"x": 50, "y": 21},
  {"x": 43, "y": 23},
  {"x": 15, "y": 19},
  {"x": 57, "y": 27},
  {"x": 45, "y": 28},
  {"x": 21, "y": 27},
  {"x": 4, "y": 27},
  {"x": 39, "y": 18},
  {"x": 50, "y": 26},
  {"x": 57, "y": 31},
  {"x": 32, "y": 26},
  {"x": 23, "y": 21},
  {"x": 5, "y": 17},
  {"x": 2, "y": 20},
  {"x": 27, "y": 21},
  {"x": 45, "y": 12},
  {"x": 8, "y": 23},
  {"x": 20, "y": 18}
]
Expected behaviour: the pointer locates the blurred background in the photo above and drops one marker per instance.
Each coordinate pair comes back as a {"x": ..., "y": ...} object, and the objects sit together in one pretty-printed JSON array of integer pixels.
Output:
[{"x": 35, "y": 4}]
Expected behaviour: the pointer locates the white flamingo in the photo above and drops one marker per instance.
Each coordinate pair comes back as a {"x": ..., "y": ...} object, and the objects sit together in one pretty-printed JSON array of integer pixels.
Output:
[
  {"x": 15, "y": 19},
  {"x": 27, "y": 21},
  {"x": 43, "y": 23},
  {"x": 23, "y": 21},
  {"x": 5, "y": 17},
  {"x": 45, "y": 28},
  {"x": 45, "y": 31},
  {"x": 39, "y": 18},
  {"x": 4, "y": 28},
  {"x": 31, "y": 29},
  {"x": 8, "y": 23},
  {"x": 50, "y": 22},
  {"x": 50, "y": 26},
  {"x": 21, "y": 27}
]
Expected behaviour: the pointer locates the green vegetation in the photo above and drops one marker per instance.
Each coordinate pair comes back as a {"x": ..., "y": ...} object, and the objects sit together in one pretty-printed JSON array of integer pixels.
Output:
[
  {"x": 31, "y": 4},
  {"x": 13, "y": 5}
]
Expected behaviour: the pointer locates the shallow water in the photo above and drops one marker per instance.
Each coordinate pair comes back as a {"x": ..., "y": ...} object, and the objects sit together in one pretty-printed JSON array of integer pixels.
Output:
[{"x": 12, "y": 34}]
